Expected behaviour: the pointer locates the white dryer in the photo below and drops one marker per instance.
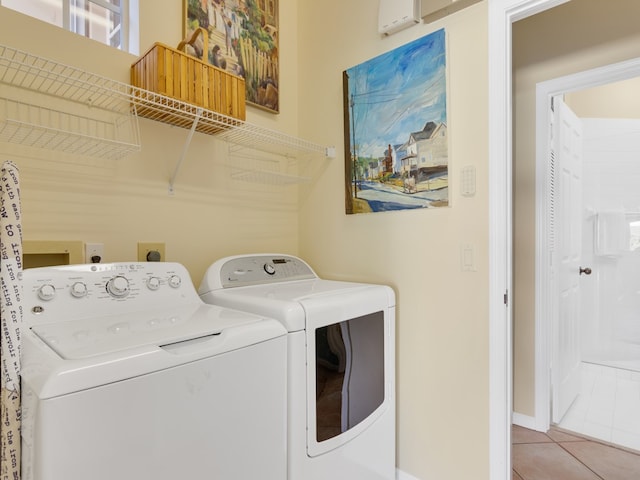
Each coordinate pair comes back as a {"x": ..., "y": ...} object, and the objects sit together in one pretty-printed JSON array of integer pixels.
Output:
[
  {"x": 341, "y": 374},
  {"x": 128, "y": 375}
]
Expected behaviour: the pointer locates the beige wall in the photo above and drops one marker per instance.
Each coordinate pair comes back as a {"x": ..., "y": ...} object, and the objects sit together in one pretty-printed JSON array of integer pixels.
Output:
[
  {"x": 121, "y": 202},
  {"x": 567, "y": 39},
  {"x": 442, "y": 328},
  {"x": 613, "y": 100},
  {"x": 442, "y": 312}
]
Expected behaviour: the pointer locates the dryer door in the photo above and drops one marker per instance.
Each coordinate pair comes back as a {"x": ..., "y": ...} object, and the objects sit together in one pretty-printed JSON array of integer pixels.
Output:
[{"x": 349, "y": 365}]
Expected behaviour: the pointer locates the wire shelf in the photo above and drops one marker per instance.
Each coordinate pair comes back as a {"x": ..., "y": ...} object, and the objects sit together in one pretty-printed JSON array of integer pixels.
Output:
[
  {"x": 240, "y": 133},
  {"x": 85, "y": 114},
  {"x": 269, "y": 169},
  {"x": 97, "y": 116},
  {"x": 38, "y": 74},
  {"x": 39, "y": 127}
]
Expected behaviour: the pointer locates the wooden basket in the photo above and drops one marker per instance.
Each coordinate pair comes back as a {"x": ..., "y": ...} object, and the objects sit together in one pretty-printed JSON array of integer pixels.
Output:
[{"x": 172, "y": 73}]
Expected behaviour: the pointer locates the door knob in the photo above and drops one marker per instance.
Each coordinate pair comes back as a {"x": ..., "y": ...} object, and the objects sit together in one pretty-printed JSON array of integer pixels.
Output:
[{"x": 585, "y": 270}]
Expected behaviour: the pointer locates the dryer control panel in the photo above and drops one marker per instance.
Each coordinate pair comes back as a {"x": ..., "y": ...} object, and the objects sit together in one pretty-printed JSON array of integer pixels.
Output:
[
  {"x": 69, "y": 292},
  {"x": 244, "y": 270}
]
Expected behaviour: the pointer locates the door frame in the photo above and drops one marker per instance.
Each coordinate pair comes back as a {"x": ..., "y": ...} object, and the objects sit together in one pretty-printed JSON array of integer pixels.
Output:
[
  {"x": 545, "y": 91},
  {"x": 501, "y": 15}
]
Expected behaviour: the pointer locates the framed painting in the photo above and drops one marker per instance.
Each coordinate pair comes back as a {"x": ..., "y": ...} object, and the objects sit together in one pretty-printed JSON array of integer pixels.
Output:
[
  {"x": 243, "y": 40},
  {"x": 395, "y": 129}
]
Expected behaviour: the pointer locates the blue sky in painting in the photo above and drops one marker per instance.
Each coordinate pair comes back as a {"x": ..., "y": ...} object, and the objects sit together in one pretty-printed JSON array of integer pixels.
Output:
[{"x": 397, "y": 93}]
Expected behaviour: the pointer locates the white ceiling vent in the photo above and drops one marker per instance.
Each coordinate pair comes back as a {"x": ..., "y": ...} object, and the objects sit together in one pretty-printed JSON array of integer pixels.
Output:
[{"x": 396, "y": 15}]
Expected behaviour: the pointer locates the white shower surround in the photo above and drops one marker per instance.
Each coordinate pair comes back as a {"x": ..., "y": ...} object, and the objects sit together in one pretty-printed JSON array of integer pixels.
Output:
[
  {"x": 611, "y": 298},
  {"x": 544, "y": 296}
]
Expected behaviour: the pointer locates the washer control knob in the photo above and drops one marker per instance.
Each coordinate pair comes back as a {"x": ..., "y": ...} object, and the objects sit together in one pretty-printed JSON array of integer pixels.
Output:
[
  {"x": 269, "y": 268},
  {"x": 153, "y": 283},
  {"x": 78, "y": 290},
  {"x": 175, "y": 281},
  {"x": 118, "y": 287},
  {"x": 46, "y": 292}
]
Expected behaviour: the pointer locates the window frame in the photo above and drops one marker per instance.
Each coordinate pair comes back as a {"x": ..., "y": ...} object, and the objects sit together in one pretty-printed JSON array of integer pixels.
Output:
[{"x": 127, "y": 30}]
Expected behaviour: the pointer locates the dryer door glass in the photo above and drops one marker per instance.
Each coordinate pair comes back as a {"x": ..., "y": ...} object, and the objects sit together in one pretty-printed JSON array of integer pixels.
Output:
[{"x": 349, "y": 373}]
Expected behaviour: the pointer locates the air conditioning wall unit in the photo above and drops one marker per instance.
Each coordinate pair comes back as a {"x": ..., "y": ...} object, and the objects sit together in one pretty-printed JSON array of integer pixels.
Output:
[{"x": 396, "y": 15}]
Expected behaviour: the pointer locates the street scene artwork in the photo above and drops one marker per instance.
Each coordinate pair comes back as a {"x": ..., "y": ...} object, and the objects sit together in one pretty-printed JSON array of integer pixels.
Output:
[
  {"x": 243, "y": 40},
  {"x": 396, "y": 147}
]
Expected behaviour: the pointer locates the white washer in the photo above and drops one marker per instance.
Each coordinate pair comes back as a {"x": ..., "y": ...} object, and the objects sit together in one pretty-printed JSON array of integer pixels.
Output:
[
  {"x": 128, "y": 375},
  {"x": 341, "y": 380}
]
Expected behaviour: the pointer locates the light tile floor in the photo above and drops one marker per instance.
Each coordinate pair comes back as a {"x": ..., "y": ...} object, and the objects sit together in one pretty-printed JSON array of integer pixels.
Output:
[
  {"x": 557, "y": 455},
  {"x": 608, "y": 406}
]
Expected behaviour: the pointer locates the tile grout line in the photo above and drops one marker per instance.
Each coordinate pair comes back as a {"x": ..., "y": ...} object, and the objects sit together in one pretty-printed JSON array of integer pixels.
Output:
[
  {"x": 576, "y": 438},
  {"x": 580, "y": 461}
]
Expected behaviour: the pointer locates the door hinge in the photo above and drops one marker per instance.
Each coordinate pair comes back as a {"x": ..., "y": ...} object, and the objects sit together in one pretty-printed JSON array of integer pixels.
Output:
[{"x": 506, "y": 298}]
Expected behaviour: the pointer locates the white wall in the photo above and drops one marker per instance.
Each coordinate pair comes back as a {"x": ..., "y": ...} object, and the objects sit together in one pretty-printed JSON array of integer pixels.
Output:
[
  {"x": 612, "y": 134},
  {"x": 611, "y": 175}
]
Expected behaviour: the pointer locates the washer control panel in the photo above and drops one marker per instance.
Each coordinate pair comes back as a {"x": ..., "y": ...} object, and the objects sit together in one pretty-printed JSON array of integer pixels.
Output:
[
  {"x": 246, "y": 270},
  {"x": 76, "y": 291}
]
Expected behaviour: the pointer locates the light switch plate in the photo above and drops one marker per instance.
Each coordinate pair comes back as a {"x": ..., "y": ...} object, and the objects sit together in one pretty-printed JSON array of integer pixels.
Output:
[
  {"x": 468, "y": 181},
  {"x": 467, "y": 258}
]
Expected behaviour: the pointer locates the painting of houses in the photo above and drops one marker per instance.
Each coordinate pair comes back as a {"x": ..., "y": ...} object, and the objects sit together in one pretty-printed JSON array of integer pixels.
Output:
[
  {"x": 243, "y": 40},
  {"x": 396, "y": 142}
]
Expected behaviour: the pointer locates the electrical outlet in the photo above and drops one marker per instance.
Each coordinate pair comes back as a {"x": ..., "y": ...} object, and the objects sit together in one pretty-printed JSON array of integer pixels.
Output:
[
  {"x": 146, "y": 252},
  {"x": 94, "y": 252}
]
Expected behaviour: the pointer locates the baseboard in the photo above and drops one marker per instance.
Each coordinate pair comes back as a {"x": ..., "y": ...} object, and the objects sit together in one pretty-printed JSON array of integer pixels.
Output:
[
  {"x": 400, "y": 475},
  {"x": 516, "y": 418},
  {"x": 523, "y": 421}
]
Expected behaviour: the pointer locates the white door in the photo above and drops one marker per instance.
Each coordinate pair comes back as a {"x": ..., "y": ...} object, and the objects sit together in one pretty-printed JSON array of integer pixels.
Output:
[{"x": 565, "y": 362}]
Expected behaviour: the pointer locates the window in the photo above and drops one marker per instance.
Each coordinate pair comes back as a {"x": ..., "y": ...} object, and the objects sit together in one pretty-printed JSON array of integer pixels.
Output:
[{"x": 108, "y": 21}]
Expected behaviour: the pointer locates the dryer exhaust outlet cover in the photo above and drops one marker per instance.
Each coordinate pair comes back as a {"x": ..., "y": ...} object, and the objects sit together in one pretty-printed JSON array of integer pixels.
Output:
[{"x": 396, "y": 15}]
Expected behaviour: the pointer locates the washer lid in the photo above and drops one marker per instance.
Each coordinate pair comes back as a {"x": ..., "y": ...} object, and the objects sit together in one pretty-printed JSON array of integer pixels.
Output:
[
  {"x": 78, "y": 339},
  {"x": 282, "y": 301}
]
